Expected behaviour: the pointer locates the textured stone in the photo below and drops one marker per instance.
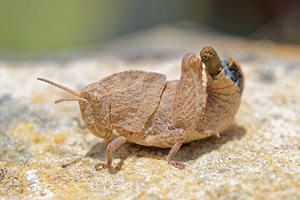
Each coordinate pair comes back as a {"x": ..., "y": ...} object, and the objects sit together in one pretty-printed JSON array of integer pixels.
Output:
[{"x": 45, "y": 153}]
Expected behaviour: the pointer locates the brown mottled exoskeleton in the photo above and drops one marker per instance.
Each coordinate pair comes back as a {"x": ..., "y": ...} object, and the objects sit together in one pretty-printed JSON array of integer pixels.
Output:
[{"x": 143, "y": 108}]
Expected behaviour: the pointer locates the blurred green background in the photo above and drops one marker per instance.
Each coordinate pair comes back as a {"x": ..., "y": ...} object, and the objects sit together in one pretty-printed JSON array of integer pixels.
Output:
[{"x": 50, "y": 26}]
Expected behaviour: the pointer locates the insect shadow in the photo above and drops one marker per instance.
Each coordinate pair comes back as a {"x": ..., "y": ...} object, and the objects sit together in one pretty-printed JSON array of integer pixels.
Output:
[
  {"x": 187, "y": 152},
  {"x": 197, "y": 148}
]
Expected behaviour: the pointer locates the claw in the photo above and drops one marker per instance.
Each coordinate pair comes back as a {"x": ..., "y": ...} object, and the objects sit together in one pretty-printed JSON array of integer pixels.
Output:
[
  {"x": 211, "y": 132},
  {"x": 178, "y": 164},
  {"x": 103, "y": 165}
]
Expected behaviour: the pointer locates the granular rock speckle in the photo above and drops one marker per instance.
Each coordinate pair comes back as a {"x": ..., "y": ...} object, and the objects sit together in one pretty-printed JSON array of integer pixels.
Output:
[{"x": 45, "y": 154}]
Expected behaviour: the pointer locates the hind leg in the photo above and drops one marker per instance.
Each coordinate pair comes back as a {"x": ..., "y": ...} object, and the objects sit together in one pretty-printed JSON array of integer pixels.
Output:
[
  {"x": 190, "y": 95},
  {"x": 173, "y": 152},
  {"x": 179, "y": 136}
]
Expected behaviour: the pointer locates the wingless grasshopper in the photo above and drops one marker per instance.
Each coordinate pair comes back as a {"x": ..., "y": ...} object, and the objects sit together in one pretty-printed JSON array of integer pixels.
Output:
[{"x": 144, "y": 108}]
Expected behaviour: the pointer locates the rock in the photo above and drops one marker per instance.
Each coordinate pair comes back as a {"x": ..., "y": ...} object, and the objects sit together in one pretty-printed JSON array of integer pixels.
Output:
[{"x": 45, "y": 153}]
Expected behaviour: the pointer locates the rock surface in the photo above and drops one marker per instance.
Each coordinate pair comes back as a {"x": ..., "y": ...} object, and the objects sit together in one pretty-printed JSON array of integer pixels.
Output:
[{"x": 45, "y": 154}]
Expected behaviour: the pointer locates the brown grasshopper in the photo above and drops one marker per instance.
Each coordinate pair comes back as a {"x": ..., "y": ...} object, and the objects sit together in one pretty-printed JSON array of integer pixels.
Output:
[{"x": 143, "y": 108}]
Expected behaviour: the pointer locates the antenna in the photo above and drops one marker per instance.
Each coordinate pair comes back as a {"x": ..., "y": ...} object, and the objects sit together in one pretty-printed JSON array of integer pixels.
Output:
[
  {"x": 70, "y": 99},
  {"x": 59, "y": 86},
  {"x": 66, "y": 89}
]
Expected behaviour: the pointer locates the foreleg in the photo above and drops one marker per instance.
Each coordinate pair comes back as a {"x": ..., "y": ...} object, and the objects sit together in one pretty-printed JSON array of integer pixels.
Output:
[{"x": 111, "y": 147}]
